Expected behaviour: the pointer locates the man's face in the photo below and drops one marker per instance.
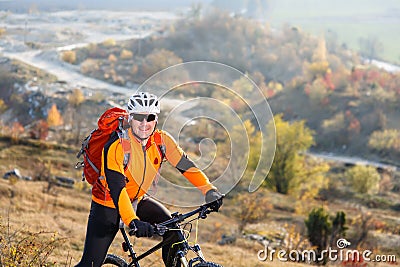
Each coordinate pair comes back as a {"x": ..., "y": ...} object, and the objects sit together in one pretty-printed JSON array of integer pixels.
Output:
[{"x": 143, "y": 124}]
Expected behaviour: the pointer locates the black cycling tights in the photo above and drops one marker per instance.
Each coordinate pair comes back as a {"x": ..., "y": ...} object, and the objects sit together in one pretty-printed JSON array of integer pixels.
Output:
[{"x": 103, "y": 225}]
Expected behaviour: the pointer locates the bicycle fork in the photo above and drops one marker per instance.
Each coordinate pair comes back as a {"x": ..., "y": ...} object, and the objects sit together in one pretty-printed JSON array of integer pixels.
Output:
[{"x": 197, "y": 250}]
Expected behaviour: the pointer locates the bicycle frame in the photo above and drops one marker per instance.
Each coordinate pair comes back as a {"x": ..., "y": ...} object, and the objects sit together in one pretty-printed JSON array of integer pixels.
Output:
[{"x": 181, "y": 253}]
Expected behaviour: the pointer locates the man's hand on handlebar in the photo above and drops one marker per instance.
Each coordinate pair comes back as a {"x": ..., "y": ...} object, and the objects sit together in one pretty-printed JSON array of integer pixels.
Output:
[
  {"x": 214, "y": 199},
  {"x": 141, "y": 229}
]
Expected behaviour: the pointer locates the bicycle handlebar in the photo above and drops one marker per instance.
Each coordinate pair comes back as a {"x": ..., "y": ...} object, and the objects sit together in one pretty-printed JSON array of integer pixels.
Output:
[{"x": 163, "y": 227}]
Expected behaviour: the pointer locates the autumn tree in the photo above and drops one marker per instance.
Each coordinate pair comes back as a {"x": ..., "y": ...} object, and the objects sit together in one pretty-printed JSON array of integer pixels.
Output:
[
  {"x": 2, "y": 31},
  {"x": 126, "y": 54},
  {"x": 69, "y": 56},
  {"x": 3, "y": 106},
  {"x": 89, "y": 66},
  {"x": 110, "y": 42},
  {"x": 385, "y": 140},
  {"x": 243, "y": 87},
  {"x": 291, "y": 172},
  {"x": 40, "y": 130},
  {"x": 158, "y": 60},
  {"x": 16, "y": 130},
  {"x": 76, "y": 98},
  {"x": 363, "y": 179},
  {"x": 251, "y": 208},
  {"x": 54, "y": 117}
]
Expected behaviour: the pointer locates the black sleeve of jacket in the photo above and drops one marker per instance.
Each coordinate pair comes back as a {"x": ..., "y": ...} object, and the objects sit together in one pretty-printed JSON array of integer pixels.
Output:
[{"x": 115, "y": 180}]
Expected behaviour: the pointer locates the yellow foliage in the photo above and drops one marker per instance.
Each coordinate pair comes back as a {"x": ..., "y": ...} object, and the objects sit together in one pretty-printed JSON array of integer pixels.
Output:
[
  {"x": 320, "y": 52},
  {"x": 89, "y": 65},
  {"x": 54, "y": 117},
  {"x": 158, "y": 60},
  {"x": 109, "y": 42},
  {"x": 69, "y": 57},
  {"x": 25, "y": 248},
  {"x": 276, "y": 86},
  {"x": 76, "y": 98},
  {"x": 333, "y": 124},
  {"x": 3, "y": 106},
  {"x": 385, "y": 140},
  {"x": 318, "y": 91},
  {"x": 363, "y": 179},
  {"x": 243, "y": 86},
  {"x": 112, "y": 58},
  {"x": 126, "y": 54},
  {"x": 134, "y": 69},
  {"x": 316, "y": 69},
  {"x": 252, "y": 208}
]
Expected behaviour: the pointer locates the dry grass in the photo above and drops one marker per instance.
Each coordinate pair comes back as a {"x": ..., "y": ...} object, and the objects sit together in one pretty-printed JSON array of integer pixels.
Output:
[{"x": 65, "y": 212}]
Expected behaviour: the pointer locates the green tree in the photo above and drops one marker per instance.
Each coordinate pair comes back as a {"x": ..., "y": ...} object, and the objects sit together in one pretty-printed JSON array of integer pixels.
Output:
[
  {"x": 338, "y": 227},
  {"x": 291, "y": 139},
  {"x": 323, "y": 230},
  {"x": 318, "y": 228},
  {"x": 363, "y": 179}
]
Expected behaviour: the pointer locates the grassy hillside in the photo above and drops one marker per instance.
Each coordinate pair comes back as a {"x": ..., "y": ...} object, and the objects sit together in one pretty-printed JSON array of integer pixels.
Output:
[
  {"x": 64, "y": 212},
  {"x": 295, "y": 87},
  {"x": 60, "y": 216}
]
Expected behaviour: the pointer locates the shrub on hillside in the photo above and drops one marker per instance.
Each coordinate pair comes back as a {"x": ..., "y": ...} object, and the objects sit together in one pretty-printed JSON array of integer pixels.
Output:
[
  {"x": 363, "y": 179},
  {"x": 69, "y": 57},
  {"x": 26, "y": 248},
  {"x": 323, "y": 230},
  {"x": 252, "y": 208}
]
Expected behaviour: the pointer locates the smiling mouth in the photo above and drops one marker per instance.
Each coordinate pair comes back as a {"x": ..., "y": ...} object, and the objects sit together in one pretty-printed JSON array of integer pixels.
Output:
[{"x": 144, "y": 129}]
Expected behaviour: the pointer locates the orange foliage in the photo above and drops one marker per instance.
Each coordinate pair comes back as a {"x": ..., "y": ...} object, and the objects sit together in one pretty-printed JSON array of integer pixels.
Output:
[
  {"x": 16, "y": 130},
  {"x": 54, "y": 117},
  {"x": 40, "y": 130}
]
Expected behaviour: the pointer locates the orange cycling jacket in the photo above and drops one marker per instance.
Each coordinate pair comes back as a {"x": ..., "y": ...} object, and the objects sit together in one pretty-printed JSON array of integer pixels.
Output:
[{"x": 122, "y": 185}]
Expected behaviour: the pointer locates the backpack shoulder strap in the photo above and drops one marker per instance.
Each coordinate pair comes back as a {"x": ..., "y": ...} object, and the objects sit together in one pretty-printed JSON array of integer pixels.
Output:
[{"x": 126, "y": 146}]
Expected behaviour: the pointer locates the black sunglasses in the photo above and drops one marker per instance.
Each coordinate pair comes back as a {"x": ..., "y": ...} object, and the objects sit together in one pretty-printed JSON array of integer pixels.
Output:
[{"x": 141, "y": 117}]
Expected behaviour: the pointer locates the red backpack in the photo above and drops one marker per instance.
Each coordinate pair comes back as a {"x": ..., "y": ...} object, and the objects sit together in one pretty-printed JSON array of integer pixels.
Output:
[{"x": 112, "y": 120}]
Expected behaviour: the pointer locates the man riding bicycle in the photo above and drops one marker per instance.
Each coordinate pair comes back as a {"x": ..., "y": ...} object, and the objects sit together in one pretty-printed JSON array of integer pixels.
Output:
[{"x": 122, "y": 194}]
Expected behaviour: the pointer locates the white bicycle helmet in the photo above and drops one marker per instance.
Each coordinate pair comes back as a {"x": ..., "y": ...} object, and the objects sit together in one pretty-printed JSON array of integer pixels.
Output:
[{"x": 143, "y": 102}]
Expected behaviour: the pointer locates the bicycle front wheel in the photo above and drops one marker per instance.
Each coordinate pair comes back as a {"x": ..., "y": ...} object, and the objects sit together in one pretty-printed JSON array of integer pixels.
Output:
[
  {"x": 113, "y": 260},
  {"x": 207, "y": 264}
]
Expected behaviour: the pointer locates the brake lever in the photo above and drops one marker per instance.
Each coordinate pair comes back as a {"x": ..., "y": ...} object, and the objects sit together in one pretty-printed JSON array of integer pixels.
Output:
[
  {"x": 160, "y": 229},
  {"x": 204, "y": 212}
]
